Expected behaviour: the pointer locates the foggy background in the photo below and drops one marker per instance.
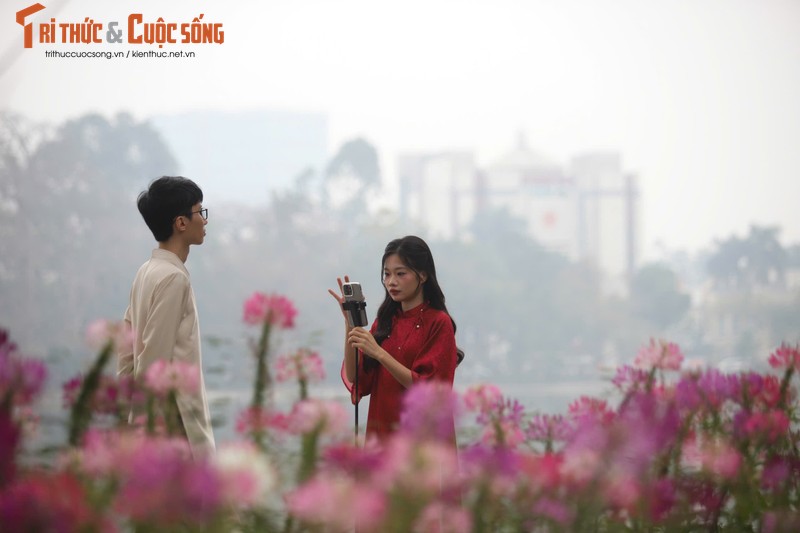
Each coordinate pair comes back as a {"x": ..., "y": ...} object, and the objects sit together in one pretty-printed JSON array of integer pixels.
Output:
[{"x": 588, "y": 174}]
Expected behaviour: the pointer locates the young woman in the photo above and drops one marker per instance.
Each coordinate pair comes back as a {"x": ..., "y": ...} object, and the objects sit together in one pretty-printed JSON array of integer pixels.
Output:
[{"x": 412, "y": 338}]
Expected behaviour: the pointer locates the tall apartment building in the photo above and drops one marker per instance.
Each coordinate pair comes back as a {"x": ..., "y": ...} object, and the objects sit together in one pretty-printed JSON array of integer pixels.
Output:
[{"x": 587, "y": 210}]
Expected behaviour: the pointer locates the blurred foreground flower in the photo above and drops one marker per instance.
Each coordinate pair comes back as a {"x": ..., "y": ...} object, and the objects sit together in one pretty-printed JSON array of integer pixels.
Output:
[
  {"x": 303, "y": 365},
  {"x": 272, "y": 309},
  {"x": 102, "y": 331},
  {"x": 163, "y": 377}
]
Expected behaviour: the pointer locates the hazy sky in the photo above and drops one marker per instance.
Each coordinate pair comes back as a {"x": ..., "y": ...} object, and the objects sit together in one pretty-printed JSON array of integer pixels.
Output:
[{"x": 699, "y": 96}]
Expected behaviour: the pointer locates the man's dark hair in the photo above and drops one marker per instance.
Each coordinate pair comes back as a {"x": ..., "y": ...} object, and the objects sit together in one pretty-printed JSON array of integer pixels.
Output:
[{"x": 167, "y": 198}]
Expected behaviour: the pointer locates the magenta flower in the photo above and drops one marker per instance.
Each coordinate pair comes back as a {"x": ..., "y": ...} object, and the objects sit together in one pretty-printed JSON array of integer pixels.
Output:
[
  {"x": 781, "y": 521},
  {"x": 763, "y": 427},
  {"x": 661, "y": 498},
  {"x": 441, "y": 518},
  {"x": 304, "y": 365},
  {"x": 421, "y": 468},
  {"x": 247, "y": 477},
  {"x": 360, "y": 462},
  {"x": 687, "y": 394},
  {"x": 163, "y": 377},
  {"x": 662, "y": 355},
  {"x": 273, "y": 309},
  {"x": 325, "y": 417},
  {"x": 48, "y": 502},
  {"x": 548, "y": 428},
  {"x": 163, "y": 486},
  {"x": 586, "y": 406},
  {"x": 622, "y": 489},
  {"x": 501, "y": 423},
  {"x": 101, "y": 331},
  {"x": 429, "y": 411},
  {"x": 21, "y": 378},
  {"x": 762, "y": 391},
  {"x": 629, "y": 379},
  {"x": 338, "y": 502},
  {"x": 480, "y": 462},
  {"x": 715, "y": 456},
  {"x": 255, "y": 420},
  {"x": 554, "y": 510},
  {"x": 150, "y": 472},
  {"x": 716, "y": 388},
  {"x": 113, "y": 394},
  {"x": 776, "y": 472},
  {"x": 482, "y": 398},
  {"x": 785, "y": 357}
]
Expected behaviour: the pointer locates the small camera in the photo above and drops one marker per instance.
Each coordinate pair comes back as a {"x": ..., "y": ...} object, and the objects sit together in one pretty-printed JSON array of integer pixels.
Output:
[{"x": 354, "y": 304}]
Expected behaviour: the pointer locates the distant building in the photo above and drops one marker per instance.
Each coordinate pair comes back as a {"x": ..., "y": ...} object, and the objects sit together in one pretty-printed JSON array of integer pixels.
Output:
[
  {"x": 587, "y": 211},
  {"x": 439, "y": 190},
  {"x": 244, "y": 156}
]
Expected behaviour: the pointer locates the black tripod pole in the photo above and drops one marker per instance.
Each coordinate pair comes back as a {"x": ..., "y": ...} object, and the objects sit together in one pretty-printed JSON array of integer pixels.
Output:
[{"x": 358, "y": 399}]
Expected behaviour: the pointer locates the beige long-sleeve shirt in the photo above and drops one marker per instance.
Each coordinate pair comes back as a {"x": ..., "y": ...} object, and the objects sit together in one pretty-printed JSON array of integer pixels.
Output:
[{"x": 163, "y": 315}]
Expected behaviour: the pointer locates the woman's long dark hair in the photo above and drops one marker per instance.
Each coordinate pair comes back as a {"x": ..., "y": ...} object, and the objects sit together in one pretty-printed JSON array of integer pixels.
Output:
[{"x": 416, "y": 255}]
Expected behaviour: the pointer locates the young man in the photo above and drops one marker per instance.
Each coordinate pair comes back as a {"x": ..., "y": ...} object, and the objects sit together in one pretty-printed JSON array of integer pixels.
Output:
[{"x": 162, "y": 310}]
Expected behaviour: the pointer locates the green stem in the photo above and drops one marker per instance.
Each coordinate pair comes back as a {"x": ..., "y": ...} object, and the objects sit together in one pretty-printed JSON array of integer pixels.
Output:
[
  {"x": 81, "y": 413},
  {"x": 303, "y": 389},
  {"x": 308, "y": 455},
  {"x": 262, "y": 371}
]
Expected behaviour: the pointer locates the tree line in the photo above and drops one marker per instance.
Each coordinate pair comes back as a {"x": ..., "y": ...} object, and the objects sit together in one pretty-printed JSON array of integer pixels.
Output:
[{"x": 71, "y": 240}]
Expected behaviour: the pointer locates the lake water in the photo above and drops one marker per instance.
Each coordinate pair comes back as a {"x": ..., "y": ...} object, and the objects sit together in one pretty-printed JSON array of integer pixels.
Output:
[{"x": 226, "y": 405}]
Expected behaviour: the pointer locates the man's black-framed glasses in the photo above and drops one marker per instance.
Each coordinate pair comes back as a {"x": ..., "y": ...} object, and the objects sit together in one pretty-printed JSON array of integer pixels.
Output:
[{"x": 203, "y": 213}]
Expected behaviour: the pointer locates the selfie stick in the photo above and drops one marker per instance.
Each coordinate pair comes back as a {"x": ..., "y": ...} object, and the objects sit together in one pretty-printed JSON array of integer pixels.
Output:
[
  {"x": 357, "y": 317},
  {"x": 355, "y": 407}
]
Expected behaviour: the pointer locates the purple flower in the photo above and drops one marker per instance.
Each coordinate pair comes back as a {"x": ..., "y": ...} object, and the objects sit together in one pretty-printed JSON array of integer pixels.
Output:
[
  {"x": 776, "y": 472},
  {"x": 548, "y": 428},
  {"x": 687, "y": 394},
  {"x": 717, "y": 388},
  {"x": 630, "y": 379},
  {"x": 21, "y": 378},
  {"x": 162, "y": 485},
  {"x": 429, "y": 410}
]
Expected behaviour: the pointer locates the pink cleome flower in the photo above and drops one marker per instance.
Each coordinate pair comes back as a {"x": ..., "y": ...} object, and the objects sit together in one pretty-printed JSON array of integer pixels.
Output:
[
  {"x": 101, "y": 331},
  {"x": 164, "y": 376},
  {"x": 543, "y": 427},
  {"x": 429, "y": 409},
  {"x": 247, "y": 476},
  {"x": 591, "y": 407},
  {"x": 304, "y": 364},
  {"x": 274, "y": 309},
  {"x": 338, "y": 501},
  {"x": 663, "y": 355},
  {"x": 765, "y": 427},
  {"x": 254, "y": 420},
  {"x": 327, "y": 417},
  {"x": 786, "y": 357}
]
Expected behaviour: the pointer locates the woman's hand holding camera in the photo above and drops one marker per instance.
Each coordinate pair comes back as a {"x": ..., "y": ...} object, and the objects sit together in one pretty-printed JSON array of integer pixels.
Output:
[{"x": 340, "y": 297}]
